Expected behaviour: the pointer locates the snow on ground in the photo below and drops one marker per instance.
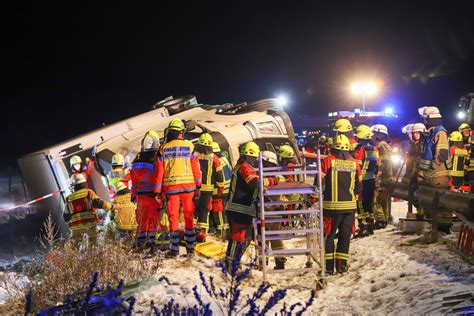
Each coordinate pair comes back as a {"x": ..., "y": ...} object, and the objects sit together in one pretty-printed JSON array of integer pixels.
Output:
[{"x": 390, "y": 273}]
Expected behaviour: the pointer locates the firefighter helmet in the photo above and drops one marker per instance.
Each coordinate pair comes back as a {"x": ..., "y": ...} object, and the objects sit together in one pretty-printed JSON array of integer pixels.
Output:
[
  {"x": 75, "y": 159},
  {"x": 176, "y": 125},
  {"x": 205, "y": 139},
  {"x": 286, "y": 151},
  {"x": 342, "y": 126},
  {"x": 323, "y": 138},
  {"x": 418, "y": 127},
  {"x": 380, "y": 128},
  {"x": 464, "y": 127},
  {"x": 120, "y": 186},
  {"x": 429, "y": 112},
  {"x": 78, "y": 178},
  {"x": 118, "y": 160},
  {"x": 150, "y": 140},
  {"x": 407, "y": 129},
  {"x": 269, "y": 156},
  {"x": 341, "y": 142},
  {"x": 455, "y": 136},
  {"x": 250, "y": 149},
  {"x": 215, "y": 147},
  {"x": 363, "y": 132}
]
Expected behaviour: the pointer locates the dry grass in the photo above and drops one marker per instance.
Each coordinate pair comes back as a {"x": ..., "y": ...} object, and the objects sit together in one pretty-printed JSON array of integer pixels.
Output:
[{"x": 68, "y": 271}]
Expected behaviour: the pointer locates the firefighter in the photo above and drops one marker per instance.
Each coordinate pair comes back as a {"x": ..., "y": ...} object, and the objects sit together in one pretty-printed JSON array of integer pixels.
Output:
[
  {"x": 242, "y": 207},
  {"x": 468, "y": 139},
  {"x": 457, "y": 160},
  {"x": 367, "y": 154},
  {"x": 341, "y": 177},
  {"x": 409, "y": 162},
  {"x": 344, "y": 127},
  {"x": 323, "y": 145},
  {"x": 80, "y": 210},
  {"x": 181, "y": 180},
  {"x": 125, "y": 218},
  {"x": 79, "y": 167},
  {"x": 146, "y": 191},
  {"x": 118, "y": 173},
  {"x": 465, "y": 130},
  {"x": 384, "y": 176},
  {"x": 212, "y": 176},
  {"x": 218, "y": 218},
  {"x": 433, "y": 160}
]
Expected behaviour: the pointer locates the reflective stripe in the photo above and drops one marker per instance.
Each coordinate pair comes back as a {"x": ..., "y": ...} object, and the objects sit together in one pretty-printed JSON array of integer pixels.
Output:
[
  {"x": 243, "y": 209},
  {"x": 344, "y": 256}
]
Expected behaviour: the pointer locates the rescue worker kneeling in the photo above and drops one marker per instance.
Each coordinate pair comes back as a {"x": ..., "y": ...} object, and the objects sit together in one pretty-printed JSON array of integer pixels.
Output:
[
  {"x": 125, "y": 218},
  {"x": 80, "y": 210},
  {"x": 341, "y": 177},
  {"x": 242, "y": 205},
  {"x": 146, "y": 190}
]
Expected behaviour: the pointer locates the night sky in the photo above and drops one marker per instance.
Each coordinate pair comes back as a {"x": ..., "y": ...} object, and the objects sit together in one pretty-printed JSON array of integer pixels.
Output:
[{"x": 71, "y": 66}]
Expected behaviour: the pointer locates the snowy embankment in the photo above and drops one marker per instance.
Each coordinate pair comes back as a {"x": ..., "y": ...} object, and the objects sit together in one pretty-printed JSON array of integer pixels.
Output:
[{"x": 389, "y": 273}]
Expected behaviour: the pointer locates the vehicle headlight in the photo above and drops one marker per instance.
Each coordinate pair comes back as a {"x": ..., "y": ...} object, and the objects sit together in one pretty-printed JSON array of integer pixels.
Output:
[{"x": 396, "y": 159}]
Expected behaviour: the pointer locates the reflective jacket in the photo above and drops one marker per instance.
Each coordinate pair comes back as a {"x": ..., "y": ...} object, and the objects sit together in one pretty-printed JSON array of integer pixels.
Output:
[
  {"x": 180, "y": 167},
  {"x": 145, "y": 172},
  {"x": 211, "y": 171},
  {"x": 341, "y": 183},
  {"x": 413, "y": 161},
  {"x": 367, "y": 155},
  {"x": 470, "y": 161},
  {"x": 385, "y": 161},
  {"x": 435, "y": 151},
  {"x": 81, "y": 205},
  {"x": 227, "y": 174},
  {"x": 244, "y": 189},
  {"x": 456, "y": 162},
  {"x": 125, "y": 218},
  {"x": 118, "y": 175}
]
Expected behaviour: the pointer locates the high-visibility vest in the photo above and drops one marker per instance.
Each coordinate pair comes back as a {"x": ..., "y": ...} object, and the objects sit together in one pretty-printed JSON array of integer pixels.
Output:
[
  {"x": 340, "y": 180},
  {"x": 118, "y": 175},
  {"x": 125, "y": 218},
  {"x": 79, "y": 206},
  {"x": 429, "y": 149},
  {"x": 144, "y": 173},
  {"x": 368, "y": 155},
  {"x": 456, "y": 162},
  {"x": 227, "y": 173}
]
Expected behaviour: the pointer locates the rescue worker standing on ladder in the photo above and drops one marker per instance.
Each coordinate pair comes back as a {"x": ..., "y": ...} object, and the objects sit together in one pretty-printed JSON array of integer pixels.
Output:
[
  {"x": 181, "y": 180},
  {"x": 384, "y": 176},
  {"x": 341, "y": 178},
  {"x": 433, "y": 171},
  {"x": 344, "y": 127},
  {"x": 80, "y": 210},
  {"x": 367, "y": 154},
  {"x": 456, "y": 163},
  {"x": 146, "y": 190},
  {"x": 211, "y": 176},
  {"x": 218, "y": 217},
  {"x": 242, "y": 205}
]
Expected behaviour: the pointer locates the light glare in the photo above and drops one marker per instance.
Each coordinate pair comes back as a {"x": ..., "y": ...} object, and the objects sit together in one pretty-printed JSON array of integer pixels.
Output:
[
  {"x": 461, "y": 115},
  {"x": 282, "y": 100}
]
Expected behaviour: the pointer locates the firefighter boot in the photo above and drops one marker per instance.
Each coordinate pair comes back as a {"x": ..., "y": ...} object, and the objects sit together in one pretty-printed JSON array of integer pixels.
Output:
[
  {"x": 280, "y": 263},
  {"x": 235, "y": 250},
  {"x": 380, "y": 224},
  {"x": 341, "y": 265},
  {"x": 362, "y": 232},
  {"x": 370, "y": 226},
  {"x": 173, "y": 252},
  {"x": 330, "y": 266},
  {"x": 189, "y": 238},
  {"x": 200, "y": 234}
]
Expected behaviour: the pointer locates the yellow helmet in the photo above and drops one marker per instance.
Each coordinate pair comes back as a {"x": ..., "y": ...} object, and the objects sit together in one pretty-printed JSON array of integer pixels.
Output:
[
  {"x": 464, "y": 127},
  {"x": 286, "y": 151},
  {"x": 118, "y": 160},
  {"x": 341, "y": 142},
  {"x": 78, "y": 178},
  {"x": 250, "y": 149},
  {"x": 176, "y": 124},
  {"x": 323, "y": 138},
  {"x": 455, "y": 136},
  {"x": 150, "y": 140},
  {"x": 215, "y": 147},
  {"x": 363, "y": 132},
  {"x": 342, "y": 126},
  {"x": 205, "y": 139},
  {"x": 75, "y": 159}
]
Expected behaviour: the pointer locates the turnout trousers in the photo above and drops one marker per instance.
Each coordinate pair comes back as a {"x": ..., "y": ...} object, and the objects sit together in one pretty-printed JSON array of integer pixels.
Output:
[
  {"x": 341, "y": 224},
  {"x": 148, "y": 220}
]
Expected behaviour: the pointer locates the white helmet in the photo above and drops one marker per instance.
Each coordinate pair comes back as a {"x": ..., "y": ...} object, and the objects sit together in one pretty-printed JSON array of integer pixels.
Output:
[
  {"x": 429, "y": 112},
  {"x": 118, "y": 160},
  {"x": 75, "y": 159},
  {"x": 270, "y": 157},
  {"x": 419, "y": 127},
  {"x": 120, "y": 186},
  {"x": 380, "y": 128},
  {"x": 78, "y": 178},
  {"x": 407, "y": 129}
]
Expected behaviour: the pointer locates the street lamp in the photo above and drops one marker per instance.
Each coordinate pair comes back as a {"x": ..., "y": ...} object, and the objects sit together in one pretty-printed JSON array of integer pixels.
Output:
[{"x": 364, "y": 90}]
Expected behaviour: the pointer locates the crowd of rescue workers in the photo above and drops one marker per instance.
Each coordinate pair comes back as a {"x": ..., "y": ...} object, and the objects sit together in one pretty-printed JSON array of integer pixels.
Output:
[{"x": 176, "y": 193}]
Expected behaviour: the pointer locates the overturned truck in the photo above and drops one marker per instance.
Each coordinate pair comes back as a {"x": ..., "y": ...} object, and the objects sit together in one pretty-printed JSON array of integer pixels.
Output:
[{"x": 47, "y": 171}]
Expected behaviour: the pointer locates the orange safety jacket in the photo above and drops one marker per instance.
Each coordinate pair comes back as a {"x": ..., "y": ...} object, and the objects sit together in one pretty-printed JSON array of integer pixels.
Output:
[
  {"x": 180, "y": 171},
  {"x": 145, "y": 173},
  {"x": 81, "y": 205}
]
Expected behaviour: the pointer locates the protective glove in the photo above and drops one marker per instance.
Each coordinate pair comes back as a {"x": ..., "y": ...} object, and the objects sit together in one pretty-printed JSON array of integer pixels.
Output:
[
  {"x": 158, "y": 199},
  {"x": 220, "y": 191},
  {"x": 197, "y": 193},
  {"x": 116, "y": 206}
]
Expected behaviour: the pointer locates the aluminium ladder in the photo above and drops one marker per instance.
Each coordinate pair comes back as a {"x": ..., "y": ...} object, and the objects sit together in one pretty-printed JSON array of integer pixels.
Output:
[{"x": 310, "y": 218}]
